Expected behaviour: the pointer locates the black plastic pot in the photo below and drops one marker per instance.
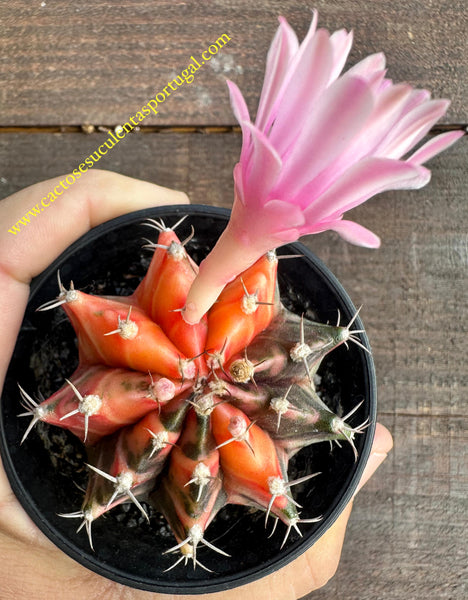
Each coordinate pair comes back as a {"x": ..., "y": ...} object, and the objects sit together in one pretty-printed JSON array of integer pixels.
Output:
[{"x": 47, "y": 470}]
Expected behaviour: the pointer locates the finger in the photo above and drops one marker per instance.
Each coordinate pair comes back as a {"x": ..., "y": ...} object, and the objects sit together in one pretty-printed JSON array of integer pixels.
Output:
[
  {"x": 14, "y": 522},
  {"x": 383, "y": 443}
]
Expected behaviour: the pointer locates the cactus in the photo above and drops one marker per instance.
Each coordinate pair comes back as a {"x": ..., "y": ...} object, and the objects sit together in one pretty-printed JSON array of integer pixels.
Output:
[{"x": 189, "y": 418}]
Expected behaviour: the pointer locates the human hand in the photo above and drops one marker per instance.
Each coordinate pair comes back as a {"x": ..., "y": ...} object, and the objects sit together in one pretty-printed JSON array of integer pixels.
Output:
[{"x": 30, "y": 565}]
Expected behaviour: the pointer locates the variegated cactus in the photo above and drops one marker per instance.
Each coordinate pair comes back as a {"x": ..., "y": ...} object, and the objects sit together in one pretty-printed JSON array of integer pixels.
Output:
[{"x": 189, "y": 418}]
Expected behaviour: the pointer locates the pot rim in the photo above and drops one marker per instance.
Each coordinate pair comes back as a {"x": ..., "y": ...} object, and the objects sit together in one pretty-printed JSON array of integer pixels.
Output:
[{"x": 289, "y": 553}]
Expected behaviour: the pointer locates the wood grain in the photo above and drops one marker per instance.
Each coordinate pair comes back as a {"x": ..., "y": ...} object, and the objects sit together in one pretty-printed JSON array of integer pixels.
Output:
[
  {"x": 99, "y": 62},
  {"x": 199, "y": 164}
]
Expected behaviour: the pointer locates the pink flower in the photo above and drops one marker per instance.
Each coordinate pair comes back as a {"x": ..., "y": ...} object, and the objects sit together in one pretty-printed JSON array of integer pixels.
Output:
[{"x": 322, "y": 144}]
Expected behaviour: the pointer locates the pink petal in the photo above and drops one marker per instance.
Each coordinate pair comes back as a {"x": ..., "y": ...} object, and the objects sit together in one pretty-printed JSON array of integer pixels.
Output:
[
  {"x": 293, "y": 65},
  {"x": 355, "y": 234},
  {"x": 281, "y": 51},
  {"x": 263, "y": 169},
  {"x": 298, "y": 56},
  {"x": 388, "y": 109},
  {"x": 377, "y": 81},
  {"x": 282, "y": 220},
  {"x": 386, "y": 112},
  {"x": 305, "y": 86},
  {"x": 384, "y": 84},
  {"x": 372, "y": 69},
  {"x": 434, "y": 146},
  {"x": 267, "y": 227},
  {"x": 239, "y": 107},
  {"x": 362, "y": 181},
  {"x": 368, "y": 66},
  {"x": 412, "y": 128},
  {"x": 417, "y": 98},
  {"x": 238, "y": 182},
  {"x": 338, "y": 117},
  {"x": 241, "y": 112},
  {"x": 341, "y": 42}
]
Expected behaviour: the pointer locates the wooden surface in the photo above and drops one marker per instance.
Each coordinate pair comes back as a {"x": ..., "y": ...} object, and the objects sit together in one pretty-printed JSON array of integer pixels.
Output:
[
  {"x": 68, "y": 63},
  {"x": 98, "y": 62}
]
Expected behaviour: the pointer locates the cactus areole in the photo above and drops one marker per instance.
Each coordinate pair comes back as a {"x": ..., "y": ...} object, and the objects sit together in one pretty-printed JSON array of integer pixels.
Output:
[{"x": 185, "y": 458}]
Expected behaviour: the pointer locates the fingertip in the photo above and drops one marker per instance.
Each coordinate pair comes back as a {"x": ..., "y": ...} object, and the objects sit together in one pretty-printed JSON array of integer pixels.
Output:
[
  {"x": 383, "y": 443},
  {"x": 180, "y": 197},
  {"x": 383, "y": 440},
  {"x": 190, "y": 314},
  {"x": 97, "y": 196}
]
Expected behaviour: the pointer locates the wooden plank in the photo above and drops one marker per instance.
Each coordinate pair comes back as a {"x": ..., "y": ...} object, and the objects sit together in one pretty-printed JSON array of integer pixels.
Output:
[
  {"x": 99, "y": 63},
  {"x": 199, "y": 164}
]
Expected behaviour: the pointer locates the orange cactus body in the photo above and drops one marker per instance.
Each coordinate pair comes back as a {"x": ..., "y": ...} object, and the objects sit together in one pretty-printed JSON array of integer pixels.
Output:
[
  {"x": 174, "y": 271},
  {"x": 191, "y": 494},
  {"x": 109, "y": 334},
  {"x": 245, "y": 307},
  {"x": 144, "y": 293},
  {"x": 110, "y": 399},
  {"x": 136, "y": 455},
  {"x": 248, "y": 462},
  {"x": 150, "y": 440},
  {"x": 195, "y": 446}
]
